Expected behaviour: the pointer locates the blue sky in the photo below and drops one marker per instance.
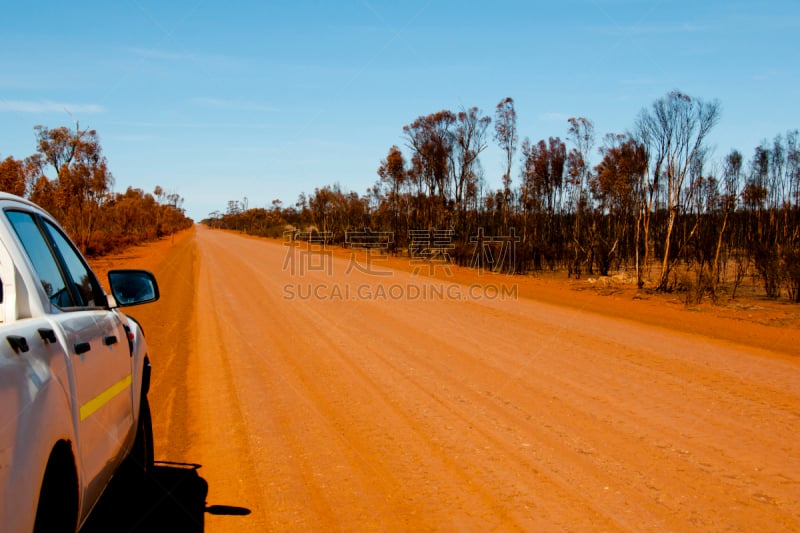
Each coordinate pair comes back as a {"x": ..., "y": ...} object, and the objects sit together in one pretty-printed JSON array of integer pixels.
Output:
[{"x": 218, "y": 101}]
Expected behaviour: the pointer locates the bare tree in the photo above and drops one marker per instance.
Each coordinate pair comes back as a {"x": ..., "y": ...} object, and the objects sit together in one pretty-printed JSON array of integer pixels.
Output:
[
  {"x": 429, "y": 138},
  {"x": 505, "y": 133},
  {"x": 581, "y": 134},
  {"x": 732, "y": 172},
  {"x": 393, "y": 174},
  {"x": 793, "y": 166},
  {"x": 468, "y": 141},
  {"x": 541, "y": 193},
  {"x": 673, "y": 130}
]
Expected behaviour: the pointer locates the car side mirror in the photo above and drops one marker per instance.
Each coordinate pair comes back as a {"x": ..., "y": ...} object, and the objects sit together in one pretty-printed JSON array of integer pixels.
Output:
[{"x": 133, "y": 287}]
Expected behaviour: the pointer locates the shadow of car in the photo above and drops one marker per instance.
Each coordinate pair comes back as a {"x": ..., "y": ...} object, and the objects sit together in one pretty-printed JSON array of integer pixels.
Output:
[{"x": 173, "y": 498}]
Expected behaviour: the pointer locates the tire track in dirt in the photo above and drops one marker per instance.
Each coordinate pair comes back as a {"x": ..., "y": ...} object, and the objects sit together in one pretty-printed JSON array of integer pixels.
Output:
[
  {"x": 304, "y": 387},
  {"x": 169, "y": 327},
  {"x": 440, "y": 405},
  {"x": 470, "y": 423},
  {"x": 221, "y": 443}
]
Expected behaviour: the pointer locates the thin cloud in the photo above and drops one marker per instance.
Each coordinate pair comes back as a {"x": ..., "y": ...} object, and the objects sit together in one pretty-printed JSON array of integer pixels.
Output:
[
  {"x": 47, "y": 106},
  {"x": 192, "y": 125},
  {"x": 137, "y": 138},
  {"x": 553, "y": 116},
  {"x": 666, "y": 29},
  {"x": 155, "y": 54},
  {"x": 150, "y": 53},
  {"x": 230, "y": 104}
]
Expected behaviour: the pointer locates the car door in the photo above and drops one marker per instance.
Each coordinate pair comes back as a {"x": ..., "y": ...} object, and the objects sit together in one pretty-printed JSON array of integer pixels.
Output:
[
  {"x": 27, "y": 363},
  {"x": 95, "y": 340}
]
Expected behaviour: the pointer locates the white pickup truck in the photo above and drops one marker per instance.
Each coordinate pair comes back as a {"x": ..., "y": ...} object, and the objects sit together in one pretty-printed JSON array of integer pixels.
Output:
[{"x": 74, "y": 375}]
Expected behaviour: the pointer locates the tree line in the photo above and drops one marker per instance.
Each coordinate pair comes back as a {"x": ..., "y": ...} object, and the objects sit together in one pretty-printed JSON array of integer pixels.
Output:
[
  {"x": 80, "y": 194},
  {"x": 654, "y": 204}
]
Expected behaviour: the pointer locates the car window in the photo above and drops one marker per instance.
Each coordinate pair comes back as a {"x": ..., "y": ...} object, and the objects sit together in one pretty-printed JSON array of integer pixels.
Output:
[
  {"x": 78, "y": 271},
  {"x": 40, "y": 254}
]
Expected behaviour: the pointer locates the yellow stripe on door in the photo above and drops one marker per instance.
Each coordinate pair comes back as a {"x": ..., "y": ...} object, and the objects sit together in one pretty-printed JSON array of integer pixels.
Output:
[{"x": 104, "y": 397}]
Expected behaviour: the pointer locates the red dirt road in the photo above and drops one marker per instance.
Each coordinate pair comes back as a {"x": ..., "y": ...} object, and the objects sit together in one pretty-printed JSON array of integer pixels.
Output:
[{"x": 342, "y": 400}]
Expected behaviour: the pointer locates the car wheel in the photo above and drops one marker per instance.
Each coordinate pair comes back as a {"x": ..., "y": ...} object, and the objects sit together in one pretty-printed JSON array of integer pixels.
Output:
[
  {"x": 145, "y": 437},
  {"x": 58, "y": 500},
  {"x": 140, "y": 462}
]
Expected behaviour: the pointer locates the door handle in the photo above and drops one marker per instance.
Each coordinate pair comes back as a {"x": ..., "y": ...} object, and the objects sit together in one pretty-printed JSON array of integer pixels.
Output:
[
  {"x": 82, "y": 347},
  {"x": 18, "y": 344},
  {"x": 48, "y": 335}
]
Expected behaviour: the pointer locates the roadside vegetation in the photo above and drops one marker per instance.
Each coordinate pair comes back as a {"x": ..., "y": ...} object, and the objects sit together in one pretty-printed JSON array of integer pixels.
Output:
[
  {"x": 650, "y": 203},
  {"x": 79, "y": 194}
]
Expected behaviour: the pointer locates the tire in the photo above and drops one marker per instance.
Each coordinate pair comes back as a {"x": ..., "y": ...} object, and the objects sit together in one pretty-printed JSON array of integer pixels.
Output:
[
  {"x": 144, "y": 436},
  {"x": 139, "y": 464},
  {"x": 58, "y": 499}
]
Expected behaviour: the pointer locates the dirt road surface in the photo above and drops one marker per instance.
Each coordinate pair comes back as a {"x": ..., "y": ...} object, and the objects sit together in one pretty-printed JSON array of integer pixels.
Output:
[{"x": 343, "y": 395}]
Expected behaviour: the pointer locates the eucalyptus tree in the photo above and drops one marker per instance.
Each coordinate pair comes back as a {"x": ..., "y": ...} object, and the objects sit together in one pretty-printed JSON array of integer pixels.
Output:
[{"x": 674, "y": 130}]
